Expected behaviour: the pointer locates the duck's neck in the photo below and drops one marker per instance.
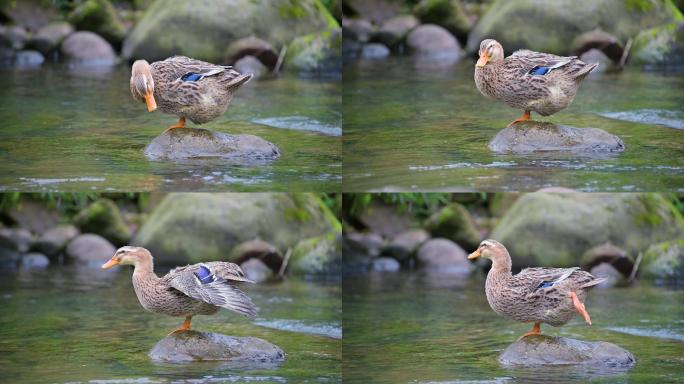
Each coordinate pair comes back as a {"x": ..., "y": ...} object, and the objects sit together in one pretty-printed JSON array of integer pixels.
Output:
[
  {"x": 501, "y": 264},
  {"x": 144, "y": 269}
]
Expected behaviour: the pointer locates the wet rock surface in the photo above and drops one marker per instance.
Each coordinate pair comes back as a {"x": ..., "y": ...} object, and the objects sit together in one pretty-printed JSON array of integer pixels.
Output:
[
  {"x": 189, "y": 143},
  {"x": 547, "y": 350},
  {"x": 208, "y": 346},
  {"x": 535, "y": 136}
]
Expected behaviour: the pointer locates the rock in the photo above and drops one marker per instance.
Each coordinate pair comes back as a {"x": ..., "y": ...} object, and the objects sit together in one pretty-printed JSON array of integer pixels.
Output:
[
  {"x": 100, "y": 17},
  {"x": 554, "y": 229},
  {"x": 393, "y": 31},
  {"x": 87, "y": 48},
  {"x": 405, "y": 244},
  {"x": 357, "y": 29},
  {"x": 53, "y": 241},
  {"x": 376, "y": 11},
  {"x": 552, "y": 28},
  {"x": 48, "y": 38},
  {"x": 177, "y": 229},
  {"x": 18, "y": 239},
  {"x": 385, "y": 264},
  {"x": 448, "y": 14},
  {"x": 611, "y": 255},
  {"x": 367, "y": 243},
  {"x": 256, "y": 270},
  {"x": 6, "y": 56},
  {"x": 209, "y": 29},
  {"x": 433, "y": 42},
  {"x": 250, "y": 64},
  {"x": 9, "y": 258},
  {"x": 189, "y": 143},
  {"x": 89, "y": 250},
  {"x": 33, "y": 215},
  {"x": 374, "y": 51},
  {"x": 13, "y": 36},
  {"x": 662, "y": 46},
  {"x": 664, "y": 262},
  {"x": 443, "y": 256},
  {"x": 317, "y": 53},
  {"x": 254, "y": 47},
  {"x": 320, "y": 255},
  {"x": 34, "y": 260},
  {"x": 257, "y": 249},
  {"x": 598, "y": 40},
  {"x": 606, "y": 270},
  {"x": 546, "y": 350},
  {"x": 103, "y": 217},
  {"x": 535, "y": 136},
  {"x": 30, "y": 14},
  {"x": 597, "y": 56},
  {"x": 455, "y": 223},
  {"x": 385, "y": 220},
  {"x": 27, "y": 59},
  {"x": 209, "y": 346}
]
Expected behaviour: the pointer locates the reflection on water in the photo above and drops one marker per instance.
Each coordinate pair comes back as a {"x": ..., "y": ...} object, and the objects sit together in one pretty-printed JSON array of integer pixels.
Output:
[
  {"x": 73, "y": 324},
  {"x": 407, "y": 127},
  {"x": 79, "y": 129},
  {"x": 417, "y": 328}
]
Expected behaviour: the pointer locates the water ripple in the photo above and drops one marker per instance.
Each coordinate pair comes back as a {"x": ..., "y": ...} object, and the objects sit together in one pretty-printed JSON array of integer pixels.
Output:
[
  {"x": 669, "y": 118},
  {"x": 660, "y": 333},
  {"x": 300, "y": 123},
  {"x": 328, "y": 330}
]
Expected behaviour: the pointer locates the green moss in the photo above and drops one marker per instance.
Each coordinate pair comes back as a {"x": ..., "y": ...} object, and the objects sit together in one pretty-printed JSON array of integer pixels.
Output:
[
  {"x": 293, "y": 10},
  {"x": 638, "y": 5}
]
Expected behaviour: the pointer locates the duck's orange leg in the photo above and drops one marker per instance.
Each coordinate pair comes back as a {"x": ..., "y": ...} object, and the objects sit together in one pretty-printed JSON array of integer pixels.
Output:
[
  {"x": 524, "y": 117},
  {"x": 184, "y": 327},
  {"x": 179, "y": 124},
  {"x": 536, "y": 330},
  {"x": 580, "y": 307}
]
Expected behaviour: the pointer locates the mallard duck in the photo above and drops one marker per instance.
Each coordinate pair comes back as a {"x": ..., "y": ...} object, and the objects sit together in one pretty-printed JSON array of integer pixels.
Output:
[
  {"x": 528, "y": 80},
  {"x": 185, "y": 87},
  {"x": 198, "y": 289},
  {"x": 535, "y": 295}
]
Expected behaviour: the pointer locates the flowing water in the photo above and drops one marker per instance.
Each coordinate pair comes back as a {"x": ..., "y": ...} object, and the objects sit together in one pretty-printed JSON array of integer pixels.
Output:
[
  {"x": 79, "y": 325},
  {"x": 409, "y": 127},
  {"x": 414, "y": 328},
  {"x": 72, "y": 129}
]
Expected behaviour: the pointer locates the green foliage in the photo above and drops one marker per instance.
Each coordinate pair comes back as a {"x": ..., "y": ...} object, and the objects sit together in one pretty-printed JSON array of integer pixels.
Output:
[
  {"x": 420, "y": 205},
  {"x": 677, "y": 202}
]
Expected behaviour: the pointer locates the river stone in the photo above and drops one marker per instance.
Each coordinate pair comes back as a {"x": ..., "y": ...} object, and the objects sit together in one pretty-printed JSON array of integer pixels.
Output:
[
  {"x": 394, "y": 30},
  {"x": 189, "y": 143},
  {"x": 13, "y": 36},
  {"x": 445, "y": 13},
  {"x": 662, "y": 46},
  {"x": 99, "y": 16},
  {"x": 33, "y": 215},
  {"x": 254, "y": 47},
  {"x": 18, "y": 239},
  {"x": 385, "y": 264},
  {"x": 89, "y": 250},
  {"x": 612, "y": 276},
  {"x": 209, "y": 346},
  {"x": 53, "y": 241},
  {"x": 546, "y": 350},
  {"x": 34, "y": 260},
  {"x": 88, "y": 48},
  {"x": 366, "y": 243},
  {"x": 433, "y": 42},
  {"x": 443, "y": 256},
  {"x": 257, "y": 249},
  {"x": 50, "y": 36},
  {"x": 28, "y": 59},
  {"x": 320, "y": 255},
  {"x": 405, "y": 244},
  {"x": 455, "y": 223},
  {"x": 374, "y": 51},
  {"x": 103, "y": 217},
  {"x": 535, "y": 136},
  {"x": 665, "y": 262},
  {"x": 256, "y": 270},
  {"x": 317, "y": 53},
  {"x": 250, "y": 64},
  {"x": 357, "y": 29}
]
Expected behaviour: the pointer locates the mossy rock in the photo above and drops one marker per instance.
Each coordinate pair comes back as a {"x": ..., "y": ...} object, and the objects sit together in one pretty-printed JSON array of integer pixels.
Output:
[
  {"x": 662, "y": 45},
  {"x": 317, "y": 53},
  {"x": 99, "y": 16},
  {"x": 321, "y": 255},
  {"x": 665, "y": 262},
  {"x": 104, "y": 218},
  {"x": 448, "y": 14},
  {"x": 454, "y": 222}
]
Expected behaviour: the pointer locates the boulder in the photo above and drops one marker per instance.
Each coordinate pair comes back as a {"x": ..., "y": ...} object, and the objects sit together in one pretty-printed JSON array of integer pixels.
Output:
[
  {"x": 256, "y": 270},
  {"x": 100, "y": 17},
  {"x": 357, "y": 29},
  {"x": 189, "y": 143},
  {"x": 555, "y": 229},
  {"x": 30, "y": 14},
  {"x": 448, "y": 14},
  {"x": 209, "y": 29},
  {"x": 250, "y": 64},
  {"x": 374, "y": 51},
  {"x": 254, "y": 47},
  {"x": 598, "y": 40},
  {"x": 28, "y": 59},
  {"x": 385, "y": 264},
  {"x": 535, "y": 136},
  {"x": 320, "y": 255},
  {"x": 608, "y": 254},
  {"x": 9, "y": 258},
  {"x": 368, "y": 243},
  {"x": 433, "y": 42},
  {"x": 664, "y": 262},
  {"x": 546, "y": 350},
  {"x": 88, "y": 48},
  {"x": 209, "y": 346},
  {"x": 34, "y": 260},
  {"x": 662, "y": 46},
  {"x": 385, "y": 219},
  {"x": 443, "y": 256},
  {"x": 89, "y": 250},
  {"x": 318, "y": 53},
  {"x": 405, "y": 244},
  {"x": 18, "y": 239},
  {"x": 103, "y": 217},
  {"x": 597, "y": 56},
  {"x": 612, "y": 276},
  {"x": 180, "y": 225},
  {"x": 455, "y": 223},
  {"x": 33, "y": 215},
  {"x": 50, "y": 36},
  {"x": 393, "y": 31},
  {"x": 13, "y": 36},
  {"x": 376, "y": 11},
  {"x": 552, "y": 28},
  {"x": 257, "y": 249},
  {"x": 53, "y": 241}
]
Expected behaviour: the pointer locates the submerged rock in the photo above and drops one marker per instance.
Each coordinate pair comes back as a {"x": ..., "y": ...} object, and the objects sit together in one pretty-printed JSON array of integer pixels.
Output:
[
  {"x": 208, "y": 346},
  {"x": 547, "y": 350},
  {"x": 189, "y": 143},
  {"x": 533, "y": 136},
  {"x": 385, "y": 264}
]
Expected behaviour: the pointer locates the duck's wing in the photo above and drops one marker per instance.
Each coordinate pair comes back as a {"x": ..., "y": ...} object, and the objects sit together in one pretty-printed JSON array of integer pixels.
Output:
[
  {"x": 526, "y": 63},
  {"x": 540, "y": 281},
  {"x": 213, "y": 283}
]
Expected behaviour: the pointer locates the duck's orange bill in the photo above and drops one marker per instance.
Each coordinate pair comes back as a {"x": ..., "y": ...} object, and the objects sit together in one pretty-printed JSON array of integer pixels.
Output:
[
  {"x": 482, "y": 60},
  {"x": 473, "y": 255},
  {"x": 112, "y": 262},
  {"x": 151, "y": 103}
]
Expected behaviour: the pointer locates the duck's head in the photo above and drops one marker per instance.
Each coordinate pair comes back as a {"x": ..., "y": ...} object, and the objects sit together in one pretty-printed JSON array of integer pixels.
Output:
[
  {"x": 128, "y": 256},
  {"x": 489, "y": 249},
  {"x": 142, "y": 84},
  {"x": 491, "y": 51}
]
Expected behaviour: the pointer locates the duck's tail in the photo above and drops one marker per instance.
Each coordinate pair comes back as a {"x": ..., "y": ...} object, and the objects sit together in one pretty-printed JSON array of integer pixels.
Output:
[
  {"x": 584, "y": 71},
  {"x": 593, "y": 282},
  {"x": 239, "y": 81}
]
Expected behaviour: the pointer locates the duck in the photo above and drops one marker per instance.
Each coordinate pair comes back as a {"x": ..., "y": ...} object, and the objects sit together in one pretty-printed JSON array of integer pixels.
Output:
[
  {"x": 185, "y": 87},
  {"x": 529, "y": 80},
  {"x": 198, "y": 289},
  {"x": 535, "y": 295}
]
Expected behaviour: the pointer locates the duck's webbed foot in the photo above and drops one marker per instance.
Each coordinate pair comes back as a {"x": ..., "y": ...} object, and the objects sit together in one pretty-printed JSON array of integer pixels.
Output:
[
  {"x": 524, "y": 117},
  {"x": 184, "y": 327},
  {"x": 580, "y": 307},
  {"x": 536, "y": 330},
  {"x": 179, "y": 124}
]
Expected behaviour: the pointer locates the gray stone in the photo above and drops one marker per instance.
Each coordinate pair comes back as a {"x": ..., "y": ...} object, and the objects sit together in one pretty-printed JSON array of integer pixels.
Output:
[
  {"x": 34, "y": 260},
  {"x": 89, "y": 250},
  {"x": 317, "y": 53},
  {"x": 597, "y": 56},
  {"x": 607, "y": 49},
  {"x": 50, "y": 36},
  {"x": 18, "y": 239},
  {"x": 9, "y": 258},
  {"x": 449, "y": 14},
  {"x": 250, "y": 64},
  {"x": 376, "y": 11},
  {"x": 394, "y": 30},
  {"x": 609, "y": 260},
  {"x": 534, "y": 136},
  {"x": 546, "y": 350},
  {"x": 455, "y": 223},
  {"x": 385, "y": 264},
  {"x": 256, "y": 270},
  {"x": 374, "y": 51},
  {"x": 433, "y": 42},
  {"x": 88, "y": 48},
  {"x": 25, "y": 59},
  {"x": 661, "y": 46},
  {"x": 612, "y": 276},
  {"x": 357, "y": 29},
  {"x": 257, "y": 249},
  {"x": 367, "y": 243},
  {"x": 103, "y": 218},
  {"x": 189, "y": 143},
  {"x": 405, "y": 244},
  {"x": 208, "y": 346},
  {"x": 13, "y": 36},
  {"x": 665, "y": 262},
  {"x": 320, "y": 255},
  {"x": 34, "y": 215},
  {"x": 53, "y": 241},
  {"x": 255, "y": 47},
  {"x": 443, "y": 256},
  {"x": 30, "y": 14},
  {"x": 99, "y": 16}
]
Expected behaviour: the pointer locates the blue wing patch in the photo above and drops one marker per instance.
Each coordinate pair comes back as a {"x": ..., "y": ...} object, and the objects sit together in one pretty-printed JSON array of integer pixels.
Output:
[
  {"x": 545, "y": 284},
  {"x": 204, "y": 275},
  {"x": 191, "y": 77},
  {"x": 539, "y": 71}
]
